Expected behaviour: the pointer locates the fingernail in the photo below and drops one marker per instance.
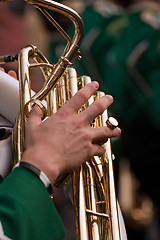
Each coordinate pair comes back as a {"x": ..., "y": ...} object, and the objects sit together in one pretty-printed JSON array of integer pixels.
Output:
[
  {"x": 96, "y": 84},
  {"x": 109, "y": 96},
  {"x": 119, "y": 130}
]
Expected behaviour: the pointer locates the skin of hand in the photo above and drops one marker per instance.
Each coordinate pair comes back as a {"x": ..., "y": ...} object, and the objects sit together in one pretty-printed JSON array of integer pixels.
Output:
[
  {"x": 11, "y": 73},
  {"x": 65, "y": 140}
]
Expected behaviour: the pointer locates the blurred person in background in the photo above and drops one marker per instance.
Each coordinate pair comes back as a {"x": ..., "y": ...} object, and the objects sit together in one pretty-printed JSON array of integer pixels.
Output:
[
  {"x": 11, "y": 29},
  {"x": 124, "y": 51},
  {"x": 21, "y": 25}
]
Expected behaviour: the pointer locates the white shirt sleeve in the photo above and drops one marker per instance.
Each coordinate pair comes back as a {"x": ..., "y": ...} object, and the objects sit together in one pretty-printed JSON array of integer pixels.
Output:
[{"x": 2, "y": 236}]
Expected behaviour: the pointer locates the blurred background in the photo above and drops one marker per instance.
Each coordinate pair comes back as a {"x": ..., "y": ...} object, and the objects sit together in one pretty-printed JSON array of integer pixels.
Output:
[{"x": 121, "y": 50}]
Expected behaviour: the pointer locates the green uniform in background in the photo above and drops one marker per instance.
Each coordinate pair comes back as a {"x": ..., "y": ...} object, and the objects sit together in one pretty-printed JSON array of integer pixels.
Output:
[
  {"x": 122, "y": 52},
  {"x": 93, "y": 18}
]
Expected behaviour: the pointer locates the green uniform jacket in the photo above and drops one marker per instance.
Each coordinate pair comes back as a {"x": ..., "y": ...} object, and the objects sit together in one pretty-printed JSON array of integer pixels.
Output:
[{"x": 26, "y": 210}]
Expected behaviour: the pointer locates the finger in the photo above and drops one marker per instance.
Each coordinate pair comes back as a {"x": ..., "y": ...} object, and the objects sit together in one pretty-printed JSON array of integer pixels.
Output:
[
  {"x": 100, "y": 141},
  {"x": 81, "y": 97},
  {"x": 97, "y": 150},
  {"x": 96, "y": 108},
  {"x": 12, "y": 74},
  {"x": 34, "y": 118},
  {"x": 2, "y": 69},
  {"x": 101, "y": 134}
]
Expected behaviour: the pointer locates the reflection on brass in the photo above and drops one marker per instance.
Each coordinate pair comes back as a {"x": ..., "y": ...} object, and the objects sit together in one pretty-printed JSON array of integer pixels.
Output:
[{"x": 95, "y": 203}]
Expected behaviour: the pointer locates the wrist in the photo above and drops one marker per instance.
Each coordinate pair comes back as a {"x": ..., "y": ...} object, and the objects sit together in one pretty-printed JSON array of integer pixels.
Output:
[
  {"x": 38, "y": 159},
  {"x": 37, "y": 172}
]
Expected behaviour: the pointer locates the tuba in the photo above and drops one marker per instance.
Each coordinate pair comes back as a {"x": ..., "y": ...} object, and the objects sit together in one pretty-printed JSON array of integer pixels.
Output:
[{"x": 97, "y": 214}]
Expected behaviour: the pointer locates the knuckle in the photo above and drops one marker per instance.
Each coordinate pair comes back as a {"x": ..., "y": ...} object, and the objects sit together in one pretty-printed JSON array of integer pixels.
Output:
[
  {"x": 101, "y": 151},
  {"x": 84, "y": 95},
  {"x": 100, "y": 105},
  {"x": 79, "y": 122},
  {"x": 89, "y": 150},
  {"x": 85, "y": 135}
]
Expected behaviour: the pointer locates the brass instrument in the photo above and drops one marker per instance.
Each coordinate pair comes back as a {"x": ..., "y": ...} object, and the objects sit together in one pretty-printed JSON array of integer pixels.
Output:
[{"x": 96, "y": 213}]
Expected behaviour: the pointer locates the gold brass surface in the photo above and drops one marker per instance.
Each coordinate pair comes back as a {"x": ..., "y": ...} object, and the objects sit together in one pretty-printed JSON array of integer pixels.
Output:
[{"x": 95, "y": 204}]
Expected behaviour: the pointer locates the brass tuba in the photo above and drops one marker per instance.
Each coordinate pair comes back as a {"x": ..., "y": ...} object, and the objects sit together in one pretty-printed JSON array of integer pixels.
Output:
[{"x": 95, "y": 204}]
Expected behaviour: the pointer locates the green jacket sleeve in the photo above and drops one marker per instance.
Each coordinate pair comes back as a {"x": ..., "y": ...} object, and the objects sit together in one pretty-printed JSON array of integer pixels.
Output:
[{"x": 26, "y": 210}]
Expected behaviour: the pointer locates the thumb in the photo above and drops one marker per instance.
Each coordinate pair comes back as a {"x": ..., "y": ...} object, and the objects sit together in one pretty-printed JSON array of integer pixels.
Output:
[
  {"x": 12, "y": 74},
  {"x": 34, "y": 120}
]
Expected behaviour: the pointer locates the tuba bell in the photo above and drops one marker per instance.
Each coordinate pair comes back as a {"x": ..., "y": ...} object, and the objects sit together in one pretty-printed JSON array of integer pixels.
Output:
[{"x": 97, "y": 214}]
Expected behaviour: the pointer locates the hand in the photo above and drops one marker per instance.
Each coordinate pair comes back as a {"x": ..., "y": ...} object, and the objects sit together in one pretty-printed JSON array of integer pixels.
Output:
[
  {"x": 11, "y": 73},
  {"x": 65, "y": 140}
]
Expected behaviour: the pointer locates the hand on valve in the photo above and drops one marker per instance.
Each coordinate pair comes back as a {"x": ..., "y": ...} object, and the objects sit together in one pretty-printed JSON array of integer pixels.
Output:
[{"x": 65, "y": 140}]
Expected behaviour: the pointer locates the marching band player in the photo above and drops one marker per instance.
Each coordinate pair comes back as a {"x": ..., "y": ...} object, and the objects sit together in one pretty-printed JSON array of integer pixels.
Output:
[{"x": 52, "y": 148}]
